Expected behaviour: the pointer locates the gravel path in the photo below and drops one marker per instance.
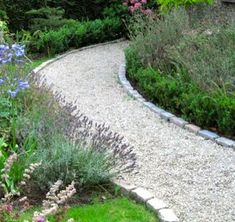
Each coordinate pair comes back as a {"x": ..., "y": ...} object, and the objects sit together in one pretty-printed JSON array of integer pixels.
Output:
[{"x": 194, "y": 176}]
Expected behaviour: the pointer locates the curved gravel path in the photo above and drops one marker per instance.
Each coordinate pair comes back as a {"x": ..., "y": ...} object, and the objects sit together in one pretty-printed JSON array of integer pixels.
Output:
[{"x": 196, "y": 177}]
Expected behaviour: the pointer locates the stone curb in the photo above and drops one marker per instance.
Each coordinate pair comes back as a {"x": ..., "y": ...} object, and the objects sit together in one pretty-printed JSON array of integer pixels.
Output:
[
  {"x": 157, "y": 206},
  {"x": 169, "y": 117}
]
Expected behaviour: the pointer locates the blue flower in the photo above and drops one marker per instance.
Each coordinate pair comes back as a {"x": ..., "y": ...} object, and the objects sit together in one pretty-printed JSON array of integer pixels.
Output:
[
  {"x": 23, "y": 85},
  {"x": 13, "y": 94},
  {"x": 19, "y": 50},
  {"x": 1, "y": 81}
]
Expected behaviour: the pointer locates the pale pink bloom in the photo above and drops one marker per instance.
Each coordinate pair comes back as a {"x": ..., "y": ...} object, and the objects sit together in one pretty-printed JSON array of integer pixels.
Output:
[{"x": 137, "y": 5}]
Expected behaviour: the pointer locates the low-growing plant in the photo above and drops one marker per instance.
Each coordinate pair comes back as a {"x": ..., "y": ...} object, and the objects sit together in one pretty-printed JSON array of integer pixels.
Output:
[{"x": 12, "y": 203}]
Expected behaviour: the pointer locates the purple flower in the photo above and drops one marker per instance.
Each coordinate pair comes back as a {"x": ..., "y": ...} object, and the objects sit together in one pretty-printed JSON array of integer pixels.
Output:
[
  {"x": 13, "y": 94},
  {"x": 19, "y": 50},
  {"x": 1, "y": 81},
  {"x": 23, "y": 85}
]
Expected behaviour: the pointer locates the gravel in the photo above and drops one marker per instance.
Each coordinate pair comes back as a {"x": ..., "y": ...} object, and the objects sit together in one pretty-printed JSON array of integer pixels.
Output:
[{"x": 195, "y": 177}]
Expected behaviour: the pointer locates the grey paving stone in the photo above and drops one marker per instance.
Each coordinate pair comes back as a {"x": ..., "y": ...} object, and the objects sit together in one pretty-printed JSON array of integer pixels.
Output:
[
  {"x": 156, "y": 205},
  {"x": 225, "y": 142},
  {"x": 154, "y": 107},
  {"x": 166, "y": 115},
  {"x": 141, "y": 195},
  {"x": 125, "y": 188},
  {"x": 142, "y": 100},
  {"x": 178, "y": 121},
  {"x": 208, "y": 134},
  {"x": 192, "y": 128},
  {"x": 167, "y": 215}
]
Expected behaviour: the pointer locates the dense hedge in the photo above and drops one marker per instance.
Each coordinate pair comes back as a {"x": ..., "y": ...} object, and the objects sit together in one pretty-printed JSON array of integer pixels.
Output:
[
  {"x": 84, "y": 9},
  {"x": 176, "y": 93},
  {"x": 75, "y": 35}
]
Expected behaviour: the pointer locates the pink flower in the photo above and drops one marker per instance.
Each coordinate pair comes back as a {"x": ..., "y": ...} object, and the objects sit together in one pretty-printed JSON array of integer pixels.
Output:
[
  {"x": 132, "y": 9},
  {"x": 137, "y": 5},
  {"x": 144, "y": 1},
  {"x": 40, "y": 219}
]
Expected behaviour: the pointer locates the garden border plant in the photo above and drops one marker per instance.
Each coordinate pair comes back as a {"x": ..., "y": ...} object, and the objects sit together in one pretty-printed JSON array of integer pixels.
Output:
[
  {"x": 139, "y": 194},
  {"x": 169, "y": 117}
]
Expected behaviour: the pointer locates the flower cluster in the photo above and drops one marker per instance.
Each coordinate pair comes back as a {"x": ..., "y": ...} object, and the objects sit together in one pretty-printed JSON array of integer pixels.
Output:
[
  {"x": 137, "y": 5},
  {"x": 28, "y": 172},
  {"x": 12, "y": 82},
  {"x": 12, "y": 53},
  {"x": 54, "y": 198}
]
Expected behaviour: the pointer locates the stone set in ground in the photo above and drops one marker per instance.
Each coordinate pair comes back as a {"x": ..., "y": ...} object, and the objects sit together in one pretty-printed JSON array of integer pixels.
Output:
[
  {"x": 223, "y": 141},
  {"x": 141, "y": 195}
]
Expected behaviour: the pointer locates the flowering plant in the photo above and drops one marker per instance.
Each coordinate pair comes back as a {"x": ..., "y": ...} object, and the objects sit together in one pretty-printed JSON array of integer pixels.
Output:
[
  {"x": 11, "y": 204},
  {"x": 12, "y": 78},
  {"x": 138, "y": 5}
]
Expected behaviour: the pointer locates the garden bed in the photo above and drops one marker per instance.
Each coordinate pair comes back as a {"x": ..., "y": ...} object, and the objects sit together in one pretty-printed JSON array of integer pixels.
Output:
[{"x": 186, "y": 71}]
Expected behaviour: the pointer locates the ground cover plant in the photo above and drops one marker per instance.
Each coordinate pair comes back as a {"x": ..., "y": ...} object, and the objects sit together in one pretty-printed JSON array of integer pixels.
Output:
[
  {"x": 186, "y": 68},
  {"x": 117, "y": 210}
]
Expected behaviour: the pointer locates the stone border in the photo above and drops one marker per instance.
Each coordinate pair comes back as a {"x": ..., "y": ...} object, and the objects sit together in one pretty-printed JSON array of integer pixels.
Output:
[
  {"x": 169, "y": 117},
  {"x": 158, "y": 207}
]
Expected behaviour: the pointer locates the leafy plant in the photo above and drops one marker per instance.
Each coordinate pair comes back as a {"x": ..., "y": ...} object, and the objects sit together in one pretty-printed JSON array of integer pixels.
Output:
[{"x": 169, "y": 4}]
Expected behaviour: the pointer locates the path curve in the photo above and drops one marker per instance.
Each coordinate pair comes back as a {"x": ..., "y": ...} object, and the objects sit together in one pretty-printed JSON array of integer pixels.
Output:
[{"x": 196, "y": 177}]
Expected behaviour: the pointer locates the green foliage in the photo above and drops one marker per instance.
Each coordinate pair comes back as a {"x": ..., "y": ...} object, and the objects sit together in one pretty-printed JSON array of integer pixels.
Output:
[
  {"x": 65, "y": 160},
  {"x": 76, "y": 34},
  {"x": 208, "y": 57},
  {"x": 175, "y": 93},
  {"x": 45, "y": 19},
  {"x": 119, "y": 209},
  {"x": 80, "y": 10},
  {"x": 152, "y": 36},
  {"x": 169, "y": 4}
]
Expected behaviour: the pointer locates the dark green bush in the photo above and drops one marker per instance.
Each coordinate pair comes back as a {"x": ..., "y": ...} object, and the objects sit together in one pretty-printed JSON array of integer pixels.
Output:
[
  {"x": 80, "y": 10},
  {"x": 76, "y": 34},
  {"x": 175, "y": 93}
]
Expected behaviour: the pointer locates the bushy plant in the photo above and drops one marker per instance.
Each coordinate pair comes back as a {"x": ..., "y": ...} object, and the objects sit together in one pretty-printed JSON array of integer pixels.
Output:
[
  {"x": 76, "y": 34},
  {"x": 152, "y": 36},
  {"x": 208, "y": 57},
  {"x": 178, "y": 94},
  {"x": 45, "y": 19},
  {"x": 169, "y": 4}
]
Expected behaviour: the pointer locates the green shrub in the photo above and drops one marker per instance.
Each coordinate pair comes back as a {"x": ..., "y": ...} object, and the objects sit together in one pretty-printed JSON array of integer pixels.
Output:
[
  {"x": 76, "y": 34},
  {"x": 71, "y": 162},
  {"x": 168, "y": 4},
  {"x": 152, "y": 36},
  {"x": 208, "y": 57},
  {"x": 46, "y": 18},
  {"x": 175, "y": 93}
]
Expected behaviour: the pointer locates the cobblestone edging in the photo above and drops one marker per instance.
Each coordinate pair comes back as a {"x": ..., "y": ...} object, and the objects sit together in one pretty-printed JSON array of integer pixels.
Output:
[
  {"x": 171, "y": 117},
  {"x": 164, "y": 213}
]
